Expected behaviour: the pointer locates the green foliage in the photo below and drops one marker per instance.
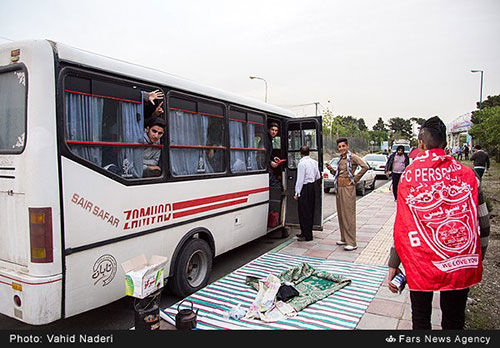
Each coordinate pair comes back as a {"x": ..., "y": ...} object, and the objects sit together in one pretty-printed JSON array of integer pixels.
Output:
[
  {"x": 490, "y": 102},
  {"x": 349, "y": 126},
  {"x": 402, "y": 128},
  {"x": 380, "y": 125},
  {"x": 486, "y": 129},
  {"x": 418, "y": 120}
]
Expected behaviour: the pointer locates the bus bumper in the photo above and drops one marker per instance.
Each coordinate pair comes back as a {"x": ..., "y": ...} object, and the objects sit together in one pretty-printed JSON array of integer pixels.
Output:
[{"x": 33, "y": 300}]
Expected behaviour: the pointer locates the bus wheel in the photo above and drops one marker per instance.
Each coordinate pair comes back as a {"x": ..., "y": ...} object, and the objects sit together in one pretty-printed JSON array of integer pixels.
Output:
[{"x": 192, "y": 269}]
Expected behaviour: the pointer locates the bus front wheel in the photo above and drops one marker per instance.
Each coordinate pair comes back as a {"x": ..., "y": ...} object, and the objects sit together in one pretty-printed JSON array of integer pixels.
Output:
[{"x": 192, "y": 269}]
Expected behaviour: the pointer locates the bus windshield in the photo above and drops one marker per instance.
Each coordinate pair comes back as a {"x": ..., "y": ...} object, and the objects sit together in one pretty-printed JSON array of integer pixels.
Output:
[{"x": 12, "y": 111}]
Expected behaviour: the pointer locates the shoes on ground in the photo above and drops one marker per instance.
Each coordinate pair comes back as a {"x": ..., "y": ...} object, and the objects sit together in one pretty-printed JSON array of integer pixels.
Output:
[
  {"x": 303, "y": 239},
  {"x": 350, "y": 247},
  {"x": 341, "y": 242}
]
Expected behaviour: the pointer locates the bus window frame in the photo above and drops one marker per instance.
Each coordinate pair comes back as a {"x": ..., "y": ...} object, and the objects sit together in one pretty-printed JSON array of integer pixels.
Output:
[
  {"x": 225, "y": 141},
  {"x": 69, "y": 70},
  {"x": 246, "y": 110},
  {"x": 11, "y": 68}
]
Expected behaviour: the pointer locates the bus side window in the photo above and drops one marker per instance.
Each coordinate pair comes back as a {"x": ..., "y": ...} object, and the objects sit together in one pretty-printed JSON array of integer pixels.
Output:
[
  {"x": 246, "y": 137},
  {"x": 104, "y": 125},
  {"x": 197, "y": 145}
]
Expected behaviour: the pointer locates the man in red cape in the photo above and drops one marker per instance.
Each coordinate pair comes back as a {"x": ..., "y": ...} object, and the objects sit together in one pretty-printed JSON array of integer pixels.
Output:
[{"x": 436, "y": 232}]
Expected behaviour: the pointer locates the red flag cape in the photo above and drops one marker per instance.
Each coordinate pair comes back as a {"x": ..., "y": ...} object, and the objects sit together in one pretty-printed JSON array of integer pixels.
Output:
[{"x": 436, "y": 230}]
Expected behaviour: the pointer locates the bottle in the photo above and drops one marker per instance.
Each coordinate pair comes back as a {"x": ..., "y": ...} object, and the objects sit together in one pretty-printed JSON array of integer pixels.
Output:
[{"x": 400, "y": 281}]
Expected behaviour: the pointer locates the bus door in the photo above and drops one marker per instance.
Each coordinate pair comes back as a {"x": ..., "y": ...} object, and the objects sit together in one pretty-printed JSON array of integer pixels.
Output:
[{"x": 302, "y": 131}]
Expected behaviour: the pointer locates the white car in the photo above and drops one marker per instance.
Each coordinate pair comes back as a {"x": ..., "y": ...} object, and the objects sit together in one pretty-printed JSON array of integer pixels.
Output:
[
  {"x": 367, "y": 181},
  {"x": 377, "y": 162}
]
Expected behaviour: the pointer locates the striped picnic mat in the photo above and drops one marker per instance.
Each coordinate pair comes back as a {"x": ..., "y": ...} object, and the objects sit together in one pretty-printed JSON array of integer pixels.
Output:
[{"x": 341, "y": 310}]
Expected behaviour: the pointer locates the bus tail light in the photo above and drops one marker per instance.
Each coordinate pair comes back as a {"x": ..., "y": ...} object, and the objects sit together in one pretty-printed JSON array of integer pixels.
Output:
[{"x": 41, "y": 235}]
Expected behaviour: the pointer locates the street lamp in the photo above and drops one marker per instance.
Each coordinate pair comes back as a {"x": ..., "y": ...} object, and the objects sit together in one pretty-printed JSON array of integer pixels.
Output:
[
  {"x": 481, "y": 90},
  {"x": 260, "y": 78}
]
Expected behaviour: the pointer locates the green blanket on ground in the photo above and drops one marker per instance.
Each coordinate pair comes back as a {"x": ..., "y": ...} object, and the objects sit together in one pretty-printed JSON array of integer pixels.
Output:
[{"x": 311, "y": 284}]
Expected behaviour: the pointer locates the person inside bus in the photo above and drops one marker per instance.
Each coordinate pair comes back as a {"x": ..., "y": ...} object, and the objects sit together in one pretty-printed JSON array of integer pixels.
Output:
[
  {"x": 215, "y": 157},
  {"x": 273, "y": 162},
  {"x": 151, "y": 156}
]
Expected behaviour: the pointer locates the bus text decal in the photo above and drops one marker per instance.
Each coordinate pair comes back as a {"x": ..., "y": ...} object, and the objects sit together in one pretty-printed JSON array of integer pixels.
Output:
[{"x": 94, "y": 209}]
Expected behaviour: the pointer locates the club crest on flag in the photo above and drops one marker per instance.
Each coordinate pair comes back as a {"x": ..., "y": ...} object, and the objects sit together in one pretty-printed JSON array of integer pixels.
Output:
[{"x": 446, "y": 219}]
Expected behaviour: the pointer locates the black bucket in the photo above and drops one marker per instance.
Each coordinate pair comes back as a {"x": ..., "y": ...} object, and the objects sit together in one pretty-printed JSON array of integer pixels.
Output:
[{"x": 147, "y": 312}]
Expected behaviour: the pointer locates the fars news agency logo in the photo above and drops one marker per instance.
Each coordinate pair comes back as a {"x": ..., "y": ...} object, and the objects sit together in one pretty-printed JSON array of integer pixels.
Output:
[{"x": 390, "y": 339}]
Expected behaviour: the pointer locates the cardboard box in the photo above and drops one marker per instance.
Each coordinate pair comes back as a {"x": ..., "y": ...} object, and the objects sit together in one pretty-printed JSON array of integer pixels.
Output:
[{"x": 142, "y": 278}]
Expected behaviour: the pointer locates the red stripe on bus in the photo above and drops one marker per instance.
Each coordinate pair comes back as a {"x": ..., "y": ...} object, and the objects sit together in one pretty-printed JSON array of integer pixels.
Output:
[
  {"x": 236, "y": 120},
  {"x": 218, "y": 198},
  {"x": 208, "y": 208},
  {"x": 199, "y": 147},
  {"x": 246, "y": 148},
  {"x": 28, "y": 283},
  {"x": 103, "y": 96},
  {"x": 110, "y": 143},
  {"x": 195, "y": 112}
]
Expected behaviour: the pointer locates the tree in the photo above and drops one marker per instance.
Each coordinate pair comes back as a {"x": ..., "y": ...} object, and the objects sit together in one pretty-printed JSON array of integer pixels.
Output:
[
  {"x": 380, "y": 125},
  {"x": 418, "y": 120},
  {"x": 362, "y": 125},
  {"x": 487, "y": 130},
  {"x": 490, "y": 102},
  {"x": 401, "y": 128}
]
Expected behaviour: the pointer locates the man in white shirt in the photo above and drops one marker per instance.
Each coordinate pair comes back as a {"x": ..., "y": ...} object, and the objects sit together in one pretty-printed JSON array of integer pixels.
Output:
[{"x": 307, "y": 174}]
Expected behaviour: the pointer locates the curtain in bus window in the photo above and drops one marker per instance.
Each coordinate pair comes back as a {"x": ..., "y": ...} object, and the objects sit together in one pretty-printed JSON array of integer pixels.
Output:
[
  {"x": 237, "y": 140},
  {"x": 84, "y": 123},
  {"x": 130, "y": 158},
  {"x": 12, "y": 111},
  {"x": 188, "y": 131},
  {"x": 252, "y": 143}
]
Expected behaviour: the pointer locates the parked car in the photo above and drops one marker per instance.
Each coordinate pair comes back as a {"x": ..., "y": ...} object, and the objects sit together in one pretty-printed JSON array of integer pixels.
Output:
[
  {"x": 377, "y": 162},
  {"x": 366, "y": 182}
]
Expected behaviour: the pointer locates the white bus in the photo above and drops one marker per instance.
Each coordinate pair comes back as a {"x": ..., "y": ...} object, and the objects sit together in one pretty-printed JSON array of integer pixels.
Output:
[{"x": 74, "y": 198}]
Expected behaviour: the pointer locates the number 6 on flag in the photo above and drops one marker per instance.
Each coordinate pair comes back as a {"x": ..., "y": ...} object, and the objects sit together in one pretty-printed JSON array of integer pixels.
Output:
[{"x": 414, "y": 240}]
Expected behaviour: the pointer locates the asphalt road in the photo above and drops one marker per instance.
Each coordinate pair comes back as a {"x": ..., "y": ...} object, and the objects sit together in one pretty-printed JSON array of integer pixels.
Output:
[{"x": 119, "y": 315}]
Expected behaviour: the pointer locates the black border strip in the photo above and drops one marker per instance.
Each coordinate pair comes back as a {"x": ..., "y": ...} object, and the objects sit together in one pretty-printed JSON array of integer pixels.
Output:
[
  {"x": 7, "y": 168},
  {"x": 70, "y": 251},
  {"x": 7, "y": 177}
]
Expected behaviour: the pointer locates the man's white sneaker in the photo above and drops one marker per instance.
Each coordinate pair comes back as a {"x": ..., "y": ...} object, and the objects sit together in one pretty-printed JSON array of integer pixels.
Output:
[
  {"x": 350, "y": 247},
  {"x": 341, "y": 243}
]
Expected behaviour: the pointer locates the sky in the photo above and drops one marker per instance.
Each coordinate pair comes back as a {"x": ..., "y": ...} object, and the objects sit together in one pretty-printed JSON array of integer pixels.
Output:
[{"x": 363, "y": 58}]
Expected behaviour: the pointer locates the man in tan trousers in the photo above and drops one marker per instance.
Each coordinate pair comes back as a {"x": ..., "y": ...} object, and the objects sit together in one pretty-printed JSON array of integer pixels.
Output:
[{"x": 345, "y": 181}]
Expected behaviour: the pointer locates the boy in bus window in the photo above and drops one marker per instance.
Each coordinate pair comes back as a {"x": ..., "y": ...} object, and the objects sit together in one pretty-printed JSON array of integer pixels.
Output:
[{"x": 151, "y": 157}]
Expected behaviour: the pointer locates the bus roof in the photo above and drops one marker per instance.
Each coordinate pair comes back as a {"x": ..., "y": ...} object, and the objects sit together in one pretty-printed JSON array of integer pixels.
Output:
[{"x": 85, "y": 58}]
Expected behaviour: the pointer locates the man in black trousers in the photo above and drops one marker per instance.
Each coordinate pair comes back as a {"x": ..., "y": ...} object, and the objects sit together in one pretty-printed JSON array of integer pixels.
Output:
[
  {"x": 396, "y": 164},
  {"x": 307, "y": 174}
]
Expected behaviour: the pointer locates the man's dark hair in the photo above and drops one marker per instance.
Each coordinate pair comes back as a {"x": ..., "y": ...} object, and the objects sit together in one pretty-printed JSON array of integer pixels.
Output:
[
  {"x": 342, "y": 140},
  {"x": 433, "y": 133},
  {"x": 273, "y": 124},
  {"x": 477, "y": 147},
  {"x": 304, "y": 150},
  {"x": 400, "y": 147},
  {"x": 156, "y": 121}
]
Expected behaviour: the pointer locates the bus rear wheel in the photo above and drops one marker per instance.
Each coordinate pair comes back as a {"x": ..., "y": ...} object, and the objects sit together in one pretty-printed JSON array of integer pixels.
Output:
[{"x": 192, "y": 269}]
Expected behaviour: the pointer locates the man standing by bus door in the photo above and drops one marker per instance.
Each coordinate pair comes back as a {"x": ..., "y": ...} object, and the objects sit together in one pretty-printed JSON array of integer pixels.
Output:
[
  {"x": 345, "y": 182},
  {"x": 307, "y": 175}
]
